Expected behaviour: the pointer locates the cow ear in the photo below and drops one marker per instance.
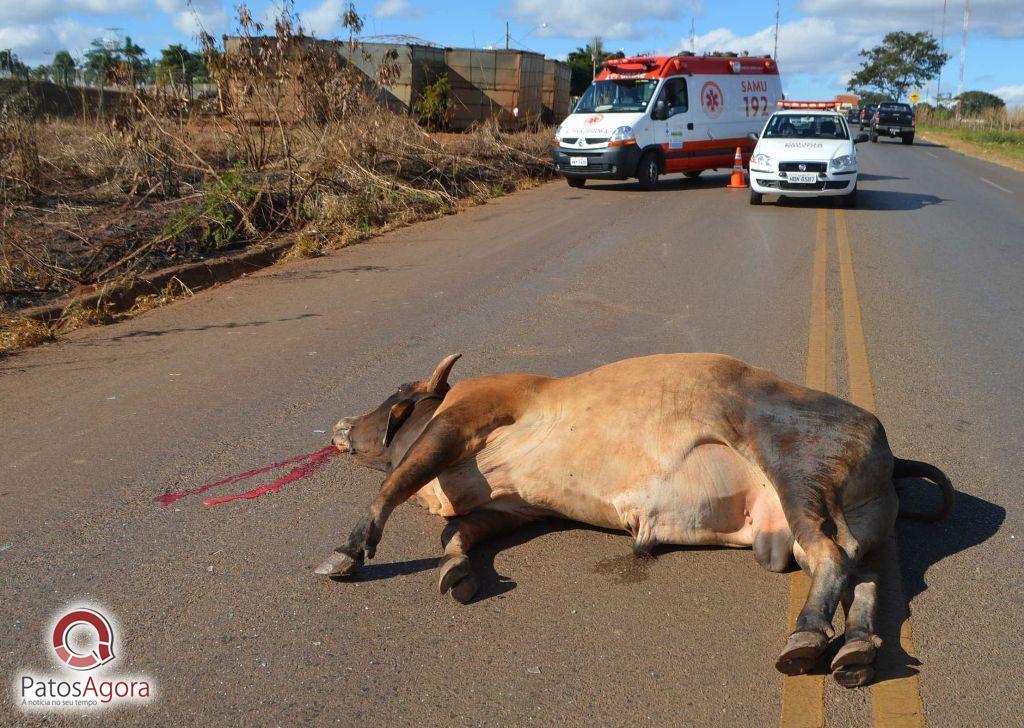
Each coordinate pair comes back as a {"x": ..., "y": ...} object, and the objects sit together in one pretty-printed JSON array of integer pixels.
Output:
[
  {"x": 399, "y": 413},
  {"x": 439, "y": 379}
]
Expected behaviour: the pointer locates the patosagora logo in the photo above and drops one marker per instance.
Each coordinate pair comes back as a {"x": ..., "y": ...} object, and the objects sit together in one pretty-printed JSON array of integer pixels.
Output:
[
  {"x": 102, "y": 653},
  {"x": 83, "y": 640}
]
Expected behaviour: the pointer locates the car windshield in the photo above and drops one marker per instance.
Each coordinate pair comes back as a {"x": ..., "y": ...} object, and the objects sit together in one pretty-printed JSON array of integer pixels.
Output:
[
  {"x": 805, "y": 126},
  {"x": 631, "y": 94},
  {"x": 895, "y": 107}
]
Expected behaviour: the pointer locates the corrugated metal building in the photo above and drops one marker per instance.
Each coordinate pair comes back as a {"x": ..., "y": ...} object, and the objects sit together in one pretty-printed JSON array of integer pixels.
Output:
[
  {"x": 557, "y": 77},
  {"x": 417, "y": 67},
  {"x": 514, "y": 87},
  {"x": 506, "y": 85}
]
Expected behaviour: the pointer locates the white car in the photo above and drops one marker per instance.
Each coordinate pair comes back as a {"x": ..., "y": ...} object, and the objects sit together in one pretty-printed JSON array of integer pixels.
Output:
[{"x": 805, "y": 152}]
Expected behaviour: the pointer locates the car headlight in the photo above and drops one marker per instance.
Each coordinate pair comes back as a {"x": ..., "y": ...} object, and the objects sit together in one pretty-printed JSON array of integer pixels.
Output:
[
  {"x": 847, "y": 161},
  {"x": 621, "y": 136},
  {"x": 762, "y": 160}
]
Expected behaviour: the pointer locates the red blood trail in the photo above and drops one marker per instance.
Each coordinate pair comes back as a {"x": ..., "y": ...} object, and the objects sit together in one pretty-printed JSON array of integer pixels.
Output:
[{"x": 315, "y": 461}]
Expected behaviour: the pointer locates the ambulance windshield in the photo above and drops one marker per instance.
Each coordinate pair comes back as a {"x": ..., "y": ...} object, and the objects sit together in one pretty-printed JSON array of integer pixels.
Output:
[
  {"x": 621, "y": 95},
  {"x": 805, "y": 126}
]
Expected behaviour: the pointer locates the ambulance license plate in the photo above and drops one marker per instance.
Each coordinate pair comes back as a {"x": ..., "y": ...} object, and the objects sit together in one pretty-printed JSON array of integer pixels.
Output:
[
  {"x": 802, "y": 179},
  {"x": 577, "y": 161}
]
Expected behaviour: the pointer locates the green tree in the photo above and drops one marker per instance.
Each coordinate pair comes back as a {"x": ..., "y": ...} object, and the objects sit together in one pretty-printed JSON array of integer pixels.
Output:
[
  {"x": 871, "y": 98},
  {"x": 102, "y": 60},
  {"x": 42, "y": 72},
  {"x": 63, "y": 66},
  {"x": 975, "y": 102},
  {"x": 135, "y": 60},
  {"x": 180, "y": 66},
  {"x": 902, "y": 61},
  {"x": 585, "y": 62},
  {"x": 13, "y": 65}
]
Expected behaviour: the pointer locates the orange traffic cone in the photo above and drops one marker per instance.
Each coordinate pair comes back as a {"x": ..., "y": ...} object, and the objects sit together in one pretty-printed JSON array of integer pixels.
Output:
[{"x": 736, "y": 181}]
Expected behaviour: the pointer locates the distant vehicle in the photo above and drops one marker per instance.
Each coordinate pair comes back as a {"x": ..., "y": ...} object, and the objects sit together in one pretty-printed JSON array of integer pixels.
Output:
[
  {"x": 865, "y": 115},
  {"x": 806, "y": 150},
  {"x": 893, "y": 120},
  {"x": 853, "y": 116},
  {"x": 647, "y": 116}
]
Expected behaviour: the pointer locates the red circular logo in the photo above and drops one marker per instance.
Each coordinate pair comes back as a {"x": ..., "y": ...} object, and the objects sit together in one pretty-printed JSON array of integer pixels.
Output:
[
  {"x": 591, "y": 120},
  {"x": 102, "y": 653},
  {"x": 712, "y": 100}
]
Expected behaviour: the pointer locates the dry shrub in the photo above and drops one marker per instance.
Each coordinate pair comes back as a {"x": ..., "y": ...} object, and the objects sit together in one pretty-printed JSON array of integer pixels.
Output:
[
  {"x": 77, "y": 316},
  {"x": 308, "y": 244},
  {"x": 20, "y": 332},
  {"x": 20, "y": 169},
  {"x": 173, "y": 291}
]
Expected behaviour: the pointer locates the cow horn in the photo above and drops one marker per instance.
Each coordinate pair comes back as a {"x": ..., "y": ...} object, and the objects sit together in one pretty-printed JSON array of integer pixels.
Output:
[{"x": 439, "y": 378}]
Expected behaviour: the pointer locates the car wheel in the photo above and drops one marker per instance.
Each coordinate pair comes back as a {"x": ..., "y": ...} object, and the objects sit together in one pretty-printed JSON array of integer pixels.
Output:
[
  {"x": 647, "y": 171},
  {"x": 908, "y": 139},
  {"x": 694, "y": 174},
  {"x": 576, "y": 181},
  {"x": 755, "y": 197},
  {"x": 873, "y": 137}
]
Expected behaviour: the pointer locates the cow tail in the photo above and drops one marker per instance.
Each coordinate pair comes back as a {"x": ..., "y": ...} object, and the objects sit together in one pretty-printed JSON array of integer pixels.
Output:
[{"x": 916, "y": 469}]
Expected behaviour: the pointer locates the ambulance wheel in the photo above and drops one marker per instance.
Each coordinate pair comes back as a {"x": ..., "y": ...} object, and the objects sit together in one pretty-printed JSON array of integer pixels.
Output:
[
  {"x": 755, "y": 198},
  {"x": 850, "y": 200},
  {"x": 576, "y": 181},
  {"x": 647, "y": 171},
  {"x": 694, "y": 174}
]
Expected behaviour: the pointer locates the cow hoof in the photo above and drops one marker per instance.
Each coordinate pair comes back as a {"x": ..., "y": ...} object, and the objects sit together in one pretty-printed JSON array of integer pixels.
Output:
[
  {"x": 802, "y": 652},
  {"x": 457, "y": 577},
  {"x": 339, "y": 564},
  {"x": 853, "y": 664}
]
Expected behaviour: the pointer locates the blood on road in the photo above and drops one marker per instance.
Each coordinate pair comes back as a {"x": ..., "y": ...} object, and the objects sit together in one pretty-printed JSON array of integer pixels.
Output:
[{"x": 305, "y": 465}]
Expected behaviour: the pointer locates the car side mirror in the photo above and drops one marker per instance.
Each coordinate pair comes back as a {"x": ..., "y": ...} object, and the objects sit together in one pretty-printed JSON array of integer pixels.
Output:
[
  {"x": 860, "y": 138},
  {"x": 660, "y": 111},
  {"x": 752, "y": 136}
]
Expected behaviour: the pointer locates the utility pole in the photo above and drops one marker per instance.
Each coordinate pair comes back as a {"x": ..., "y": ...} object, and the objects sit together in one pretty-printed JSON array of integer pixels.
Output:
[
  {"x": 963, "y": 56},
  {"x": 942, "y": 49},
  {"x": 776, "y": 54},
  {"x": 693, "y": 34},
  {"x": 506, "y": 36}
]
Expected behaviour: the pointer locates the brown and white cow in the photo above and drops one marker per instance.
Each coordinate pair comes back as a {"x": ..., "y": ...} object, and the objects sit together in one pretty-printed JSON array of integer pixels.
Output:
[{"x": 674, "y": 449}]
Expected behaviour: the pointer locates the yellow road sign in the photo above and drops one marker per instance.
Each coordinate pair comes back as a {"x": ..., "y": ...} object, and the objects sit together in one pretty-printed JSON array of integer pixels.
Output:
[{"x": 915, "y": 97}]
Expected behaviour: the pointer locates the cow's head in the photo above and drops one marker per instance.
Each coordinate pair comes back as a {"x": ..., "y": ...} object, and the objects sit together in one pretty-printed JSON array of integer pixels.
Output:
[{"x": 375, "y": 437}]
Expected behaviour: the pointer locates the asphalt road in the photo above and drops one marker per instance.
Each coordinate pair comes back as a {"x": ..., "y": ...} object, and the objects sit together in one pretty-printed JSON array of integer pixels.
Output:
[{"x": 219, "y": 606}]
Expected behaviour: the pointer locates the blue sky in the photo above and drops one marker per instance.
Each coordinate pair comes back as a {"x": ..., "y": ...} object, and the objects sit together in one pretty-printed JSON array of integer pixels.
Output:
[{"x": 818, "y": 39}]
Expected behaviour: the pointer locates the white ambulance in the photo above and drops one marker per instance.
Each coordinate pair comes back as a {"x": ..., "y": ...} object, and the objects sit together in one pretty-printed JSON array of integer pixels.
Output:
[{"x": 646, "y": 116}]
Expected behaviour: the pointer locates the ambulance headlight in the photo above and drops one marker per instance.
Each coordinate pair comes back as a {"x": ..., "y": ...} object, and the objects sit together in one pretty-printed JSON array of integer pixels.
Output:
[
  {"x": 847, "y": 161},
  {"x": 622, "y": 135},
  {"x": 763, "y": 160}
]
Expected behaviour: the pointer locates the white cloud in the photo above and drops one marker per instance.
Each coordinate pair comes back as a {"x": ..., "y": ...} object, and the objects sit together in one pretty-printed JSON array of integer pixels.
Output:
[
  {"x": 999, "y": 18},
  {"x": 395, "y": 9},
  {"x": 324, "y": 19},
  {"x": 37, "y": 11},
  {"x": 1012, "y": 95},
  {"x": 37, "y": 43},
  {"x": 809, "y": 45},
  {"x": 191, "y": 17},
  {"x": 585, "y": 19}
]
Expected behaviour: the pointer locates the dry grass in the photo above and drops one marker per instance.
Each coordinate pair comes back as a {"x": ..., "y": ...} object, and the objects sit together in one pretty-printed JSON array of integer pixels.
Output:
[{"x": 19, "y": 332}]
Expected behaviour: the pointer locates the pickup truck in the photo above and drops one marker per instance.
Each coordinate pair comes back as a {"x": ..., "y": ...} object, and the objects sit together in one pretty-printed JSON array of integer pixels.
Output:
[{"x": 893, "y": 120}]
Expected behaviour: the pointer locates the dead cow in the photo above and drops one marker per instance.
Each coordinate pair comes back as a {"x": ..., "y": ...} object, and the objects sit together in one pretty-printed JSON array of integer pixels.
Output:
[{"x": 674, "y": 449}]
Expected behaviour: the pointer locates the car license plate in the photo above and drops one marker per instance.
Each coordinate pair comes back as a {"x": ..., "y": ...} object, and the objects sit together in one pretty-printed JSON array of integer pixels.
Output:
[
  {"x": 893, "y": 130},
  {"x": 577, "y": 161},
  {"x": 802, "y": 179}
]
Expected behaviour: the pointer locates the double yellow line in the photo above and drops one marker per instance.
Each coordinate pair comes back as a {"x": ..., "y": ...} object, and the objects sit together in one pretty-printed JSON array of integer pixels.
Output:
[{"x": 895, "y": 694}]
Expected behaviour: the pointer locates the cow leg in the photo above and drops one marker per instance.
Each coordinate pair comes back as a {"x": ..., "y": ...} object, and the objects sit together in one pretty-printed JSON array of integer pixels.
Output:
[
  {"x": 460, "y": 535},
  {"x": 440, "y": 446},
  {"x": 853, "y": 665}
]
